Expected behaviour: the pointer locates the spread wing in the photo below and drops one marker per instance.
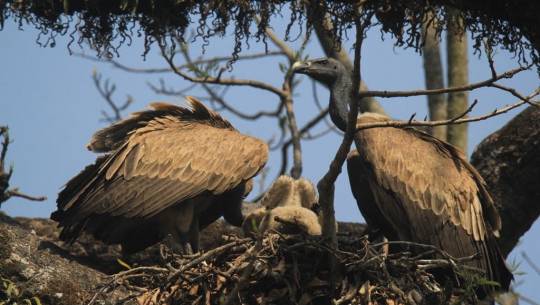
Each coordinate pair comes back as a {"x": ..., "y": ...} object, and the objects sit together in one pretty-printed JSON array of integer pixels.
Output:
[{"x": 163, "y": 163}]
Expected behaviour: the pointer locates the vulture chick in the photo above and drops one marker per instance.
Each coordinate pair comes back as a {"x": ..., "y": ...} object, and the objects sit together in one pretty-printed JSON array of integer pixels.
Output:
[
  {"x": 291, "y": 201},
  {"x": 170, "y": 172},
  {"x": 412, "y": 186}
]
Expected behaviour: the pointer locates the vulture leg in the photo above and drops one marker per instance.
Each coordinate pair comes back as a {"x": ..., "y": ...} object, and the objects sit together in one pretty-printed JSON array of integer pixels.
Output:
[
  {"x": 194, "y": 235},
  {"x": 187, "y": 242}
]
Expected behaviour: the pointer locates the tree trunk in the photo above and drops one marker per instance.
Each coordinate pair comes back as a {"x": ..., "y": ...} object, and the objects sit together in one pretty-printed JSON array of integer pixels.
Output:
[
  {"x": 509, "y": 162},
  {"x": 39, "y": 268},
  {"x": 434, "y": 78},
  {"x": 458, "y": 75}
]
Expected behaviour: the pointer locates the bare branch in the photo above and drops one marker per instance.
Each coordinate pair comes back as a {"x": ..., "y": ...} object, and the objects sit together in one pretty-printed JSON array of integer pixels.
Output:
[
  {"x": 123, "y": 67},
  {"x": 515, "y": 93},
  {"x": 4, "y": 131},
  {"x": 106, "y": 91},
  {"x": 15, "y": 192},
  {"x": 444, "y": 122},
  {"x": 220, "y": 81},
  {"x": 296, "y": 170},
  {"x": 214, "y": 96},
  {"x": 530, "y": 262},
  {"x": 470, "y": 87},
  {"x": 5, "y": 194}
]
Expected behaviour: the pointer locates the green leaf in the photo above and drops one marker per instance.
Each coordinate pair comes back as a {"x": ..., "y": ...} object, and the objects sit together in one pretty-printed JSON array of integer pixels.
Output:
[
  {"x": 12, "y": 289},
  {"x": 66, "y": 7},
  {"x": 281, "y": 67},
  {"x": 27, "y": 301},
  {"x": 124, "y": 264},
  {"x": 124, "y": 4},
  {"x": 282, "y": 122},
  {"x": 36, "y": 299},
  {"x": 135, "y": 7}
]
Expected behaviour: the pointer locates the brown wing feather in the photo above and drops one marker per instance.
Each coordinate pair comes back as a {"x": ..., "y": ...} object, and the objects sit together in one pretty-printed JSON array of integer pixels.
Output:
[
  {"x": 428, "y": 173},
  {"x": 429, "y": 194},
  {"x": 173, "y": 155}
]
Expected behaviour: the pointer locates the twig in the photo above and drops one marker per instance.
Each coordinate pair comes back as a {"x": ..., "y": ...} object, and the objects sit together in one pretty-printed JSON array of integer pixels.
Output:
[
  {"x": 530, "y": 262},
  {"x": 528, "y": 300},
  {"x": 4, "y": 131},
  {"x": 15, "y": 192},
  {"x": 465, "y": 112},
  {"x": 106, "y": 92},
  {"x": 515, "y": 93},
  {"x": 247, "y": 271},
  {"x": 212, "y": 80},
  {"x": 179, "y": 67},
  {"x": 442, "y": 122},
  {"x": 348, "y": 297},
  {"x": 206, "y": 256}
]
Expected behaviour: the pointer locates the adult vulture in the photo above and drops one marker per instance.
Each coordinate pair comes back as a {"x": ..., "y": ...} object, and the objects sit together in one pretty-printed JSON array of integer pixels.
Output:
[
  {"x": 170, "y": 171},
  {"x": 412, "y": 186}
]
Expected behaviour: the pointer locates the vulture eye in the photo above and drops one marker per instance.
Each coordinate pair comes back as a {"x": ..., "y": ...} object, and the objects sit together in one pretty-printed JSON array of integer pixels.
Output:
[{"x": 323, "y": 62}]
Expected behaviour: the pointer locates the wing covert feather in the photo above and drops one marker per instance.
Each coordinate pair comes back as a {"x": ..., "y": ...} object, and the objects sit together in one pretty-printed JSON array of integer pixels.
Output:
[
  {"x": 162, "y": 167},
  {"x": 427, "y": 173},
  {"x": 158, "y": 167}
]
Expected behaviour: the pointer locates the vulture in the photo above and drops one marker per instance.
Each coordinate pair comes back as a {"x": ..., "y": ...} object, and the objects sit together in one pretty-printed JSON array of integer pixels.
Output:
[
  {"x": 169, "y": 172},
  {"x": 290, "y": 200},
  {"x": 411, "y": 186}
]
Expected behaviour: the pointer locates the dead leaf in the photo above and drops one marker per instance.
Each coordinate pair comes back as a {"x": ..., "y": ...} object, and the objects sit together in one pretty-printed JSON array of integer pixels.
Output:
[
  {"x": 316, "y": 282},
  {"x": 220, "y": 280},
  {"x": 276, "y": 294},
  {"x": 305, "y": 299},
  {"x": 193, "y": 290},
  {"x": 143, "y": 299},
  {"x": 154, "y": 299}
]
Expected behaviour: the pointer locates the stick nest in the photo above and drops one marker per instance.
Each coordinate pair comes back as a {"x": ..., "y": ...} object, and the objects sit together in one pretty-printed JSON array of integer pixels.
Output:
[{"x": 292, "y": 269}]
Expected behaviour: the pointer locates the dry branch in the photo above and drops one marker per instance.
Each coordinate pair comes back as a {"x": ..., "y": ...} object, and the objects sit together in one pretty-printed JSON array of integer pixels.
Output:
[{"x": 5, "y": 194}]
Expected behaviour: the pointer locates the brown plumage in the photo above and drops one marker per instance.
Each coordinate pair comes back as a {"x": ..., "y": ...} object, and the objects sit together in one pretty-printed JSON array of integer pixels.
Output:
[
  {"x": 414, "y": 187},
  {"x": 170, "y": 171}
]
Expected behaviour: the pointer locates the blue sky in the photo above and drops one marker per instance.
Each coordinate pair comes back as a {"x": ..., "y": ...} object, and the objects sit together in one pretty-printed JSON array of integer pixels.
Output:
[{"x": 49, "y": 101}]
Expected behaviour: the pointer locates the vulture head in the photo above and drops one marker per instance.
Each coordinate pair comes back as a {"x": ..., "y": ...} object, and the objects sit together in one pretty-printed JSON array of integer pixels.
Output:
[{"x": 326, "y": 70}]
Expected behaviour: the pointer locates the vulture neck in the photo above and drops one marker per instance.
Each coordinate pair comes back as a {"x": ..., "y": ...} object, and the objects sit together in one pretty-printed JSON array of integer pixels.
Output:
[{"x": 339, "y": 100}]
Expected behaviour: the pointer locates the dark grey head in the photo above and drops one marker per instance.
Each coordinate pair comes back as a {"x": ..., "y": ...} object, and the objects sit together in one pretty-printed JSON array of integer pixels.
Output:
[
  {"x": 331, "y": 72},
  {"x": 326, "y": 70}
]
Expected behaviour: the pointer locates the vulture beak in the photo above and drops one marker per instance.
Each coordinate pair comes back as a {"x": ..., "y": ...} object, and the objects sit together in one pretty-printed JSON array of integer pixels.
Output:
[{"x": 300, "y": 66}]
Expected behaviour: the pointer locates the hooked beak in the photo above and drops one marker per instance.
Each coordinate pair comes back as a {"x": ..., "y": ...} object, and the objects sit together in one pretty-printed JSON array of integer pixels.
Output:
[{"x": 300, "y": 66}]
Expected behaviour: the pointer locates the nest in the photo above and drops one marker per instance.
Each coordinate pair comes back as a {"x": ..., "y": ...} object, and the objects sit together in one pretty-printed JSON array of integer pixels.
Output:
[{"x": 298, "y": 269}]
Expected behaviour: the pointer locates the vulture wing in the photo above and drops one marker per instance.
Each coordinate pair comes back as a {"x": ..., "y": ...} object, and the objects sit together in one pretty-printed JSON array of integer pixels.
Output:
[
  {"x": 428, "y": 193},
  {"x": 161, "y": 158}
]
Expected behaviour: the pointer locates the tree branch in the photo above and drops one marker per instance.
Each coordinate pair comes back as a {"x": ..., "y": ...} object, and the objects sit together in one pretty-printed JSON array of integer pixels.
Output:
[
  {"x": 217, "y": 80},
  {"x": 470, "y": 87}
]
